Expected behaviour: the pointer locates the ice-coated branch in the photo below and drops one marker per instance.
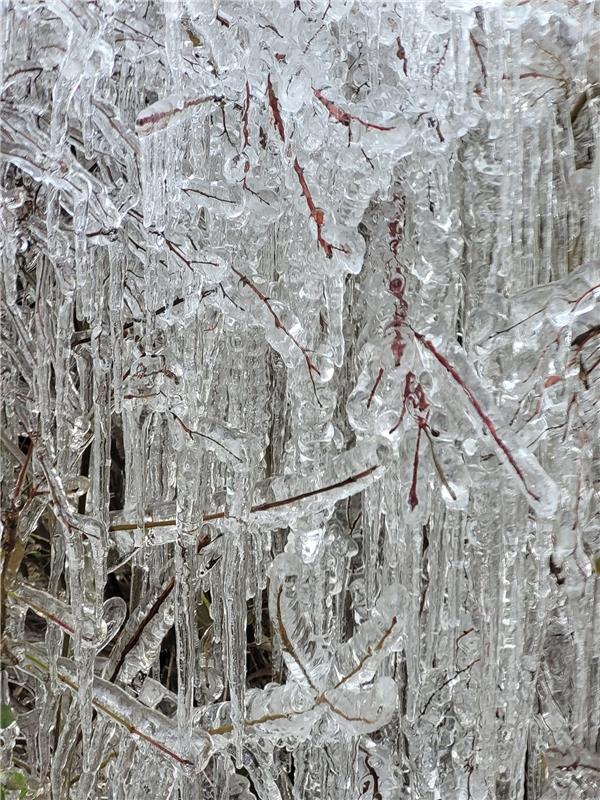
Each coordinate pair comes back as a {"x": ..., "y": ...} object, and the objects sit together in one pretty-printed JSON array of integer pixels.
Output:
[{"x": 140, "y": 722}]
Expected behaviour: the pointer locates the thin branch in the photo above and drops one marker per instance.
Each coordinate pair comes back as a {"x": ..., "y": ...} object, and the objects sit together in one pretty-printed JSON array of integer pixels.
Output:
[
  {"x": 274, "y": 103},
  {"x": 287, "y": 643},
  {"x": 191, "y": 433},
  {"x": 375, "y": 385},
  {"x": 477, "y": 47},
  {"x": 267, "y": 506},
  {"x": 42, "y": 612},
  {"x": 317, "y": 214},
  {"x": 279, "y": 324},
  {"x": 223, "y": 729},
  {"x": 437, "y": 465},
  {"x": 386, "y": 634},
  {"x": 451, "y": 370},
  {"x": 446, "y": 682},
  {"x": 113, "y": 715},
  {"x": 344, "y": 117},
  {"x": 149, "y": 616}
]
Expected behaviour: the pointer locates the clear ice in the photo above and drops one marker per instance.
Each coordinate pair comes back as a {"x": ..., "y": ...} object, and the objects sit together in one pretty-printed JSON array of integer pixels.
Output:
[{"x": 300, "y": 307}]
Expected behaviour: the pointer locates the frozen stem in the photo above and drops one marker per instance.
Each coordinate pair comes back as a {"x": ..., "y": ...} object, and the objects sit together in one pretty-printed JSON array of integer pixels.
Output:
[{"x": 280, "y": 325}]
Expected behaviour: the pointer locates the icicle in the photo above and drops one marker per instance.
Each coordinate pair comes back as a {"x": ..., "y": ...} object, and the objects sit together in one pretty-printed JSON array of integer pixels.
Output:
[{"x": 300, "y": 304}]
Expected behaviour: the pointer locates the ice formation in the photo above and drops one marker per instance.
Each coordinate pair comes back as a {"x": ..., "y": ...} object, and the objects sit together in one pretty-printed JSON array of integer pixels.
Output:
[{"x": 301, "y": 392}]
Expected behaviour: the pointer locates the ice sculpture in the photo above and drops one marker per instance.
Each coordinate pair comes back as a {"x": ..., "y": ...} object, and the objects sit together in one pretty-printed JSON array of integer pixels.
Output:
[{"x": 300, "y": 384}]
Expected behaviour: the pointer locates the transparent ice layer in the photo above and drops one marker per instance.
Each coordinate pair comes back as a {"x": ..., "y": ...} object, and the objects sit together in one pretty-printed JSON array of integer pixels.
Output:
[{"x": 300, "y": 399}]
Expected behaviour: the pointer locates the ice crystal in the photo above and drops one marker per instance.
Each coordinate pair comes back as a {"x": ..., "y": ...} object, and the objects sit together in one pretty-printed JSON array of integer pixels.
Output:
[{"x": 301, "y": 392}]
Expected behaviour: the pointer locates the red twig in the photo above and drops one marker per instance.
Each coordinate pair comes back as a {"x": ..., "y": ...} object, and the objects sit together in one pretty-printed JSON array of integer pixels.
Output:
[
  {"x": 344, "y": 117},
  {"x": 245, "y": 112},
  {"x": 375, "y": 385},
  {"x": 279, "y": 324},
  {"x": 401, "y": 53},
  {"x": 159, "y": 116},
  {"x": 451, "y": 370},
  {"x": 437, "y": 67},
  {"x": 578, "y": 300},
  {"x": 317, "y": 214},
  {"x": 413, "y": 500},
  {"x": 274, "y": 103},
  {"x": 477, "y": 47},
  {"x": 413, "y": 394},
  {"x": 397, "y": 287}
]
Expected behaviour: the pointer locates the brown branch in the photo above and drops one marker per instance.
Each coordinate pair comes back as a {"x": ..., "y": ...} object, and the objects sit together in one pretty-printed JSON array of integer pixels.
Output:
[
  {"x": 535, "y": 74},
  {"x": 152, "y": 612},
  {"x": 375, "y": 385},
  {"x": 274, "y": 103},
  {"x": 386, "y": 634},
  {"x": 191, "y": 433},
  {"x": 188, "y": 262},
  {"x": 376, "y": 794},
  {"x": 223, "y": 729},
  {"x": 477, "y": 47},
  {"x": 435, "y": 123},
  {"x": 144, "y": 123},
  {"x": 446, "y": 682},
  {"x": 116, "y": 717},
  {"x": 128, "y": 526},
  {"x": 581, "y": 297},
  {"x": 437, "y": 465},
  {"x": 369, "y": 161},
  {"x": 435, "y": 69},
  {"x": 516, "y": 324},
  {"x": 279, "y": 324},
  {"x": 211, "y": 196},
  {"x": 21, "y": 477},
  {"x": 344, "y": 117},
  {"x": 149, "y": 616},
  {"x": 287, "y": 643},
  {"x": 317, "y": 214},
  {"x": 582, "y": 339},
  {"x": 245, "y": 112},
  {"x": 47, "y": 615},
  {"x": 168, "y": 588},
  {"x": 225, "y": 130},
  {"x": 401, "y": 53},
  {"x": 451, "y": 370},
  {"x": 323, "y": 699},
  {"x": 286, "y": 501}
]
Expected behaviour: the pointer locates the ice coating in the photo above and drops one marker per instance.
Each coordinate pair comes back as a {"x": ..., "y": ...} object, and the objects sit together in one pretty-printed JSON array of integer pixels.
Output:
[
  {"x": 300, "y": 399},
  {"x": 148, "y": 725}
]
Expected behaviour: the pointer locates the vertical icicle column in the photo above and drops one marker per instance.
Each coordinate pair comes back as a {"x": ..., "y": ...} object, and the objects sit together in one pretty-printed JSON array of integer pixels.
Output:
[{"x": 301, "y": 296}]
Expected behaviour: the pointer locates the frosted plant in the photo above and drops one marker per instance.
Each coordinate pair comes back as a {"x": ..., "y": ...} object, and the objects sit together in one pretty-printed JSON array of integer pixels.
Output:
[{"x": 300, "y": 385}]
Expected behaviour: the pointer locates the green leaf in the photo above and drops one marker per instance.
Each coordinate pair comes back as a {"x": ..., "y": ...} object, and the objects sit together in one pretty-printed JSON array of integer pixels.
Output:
[
  {"x": 203, "y": 613},
  {"x": 6, "y": 716},
  {"x": 13, "y": 780}
]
